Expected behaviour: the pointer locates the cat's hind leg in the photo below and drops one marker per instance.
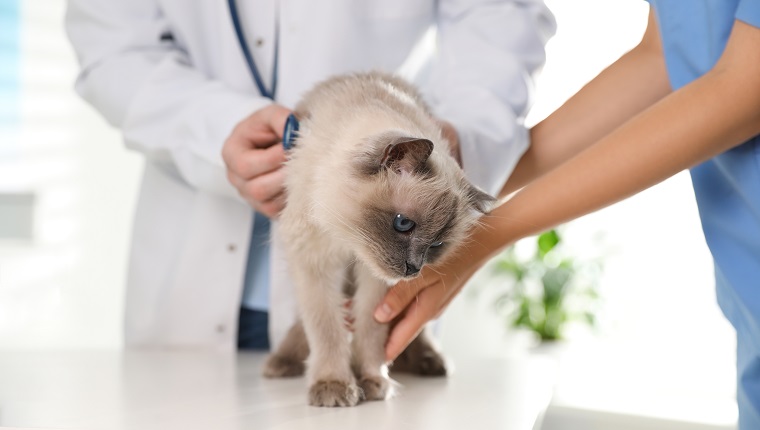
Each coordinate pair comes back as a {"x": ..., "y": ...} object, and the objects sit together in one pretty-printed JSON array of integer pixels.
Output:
[
  {"x": 290, "y": 358},
  {"x": 422, "y": 357}
]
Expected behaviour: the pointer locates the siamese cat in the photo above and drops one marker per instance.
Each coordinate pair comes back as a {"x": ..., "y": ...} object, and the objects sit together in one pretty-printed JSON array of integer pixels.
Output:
[{"x": 373, "y": 194}]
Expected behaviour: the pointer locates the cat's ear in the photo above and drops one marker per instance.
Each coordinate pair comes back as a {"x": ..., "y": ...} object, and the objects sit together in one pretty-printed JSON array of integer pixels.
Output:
[
  {"x": 407, "y": 154},
  {"x": 480, "y": 201}
]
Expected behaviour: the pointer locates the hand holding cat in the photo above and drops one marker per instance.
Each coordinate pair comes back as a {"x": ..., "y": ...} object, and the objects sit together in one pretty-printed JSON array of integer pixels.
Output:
[
  {"x": 254, "y": 159},
  {"x": 416, "y": 302},
  {"x": 450, "y": 133}
]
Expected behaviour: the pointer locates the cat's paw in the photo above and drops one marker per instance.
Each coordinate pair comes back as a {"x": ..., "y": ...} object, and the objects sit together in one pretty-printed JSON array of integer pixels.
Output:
[
  {"x": 334, "y": 393},
  {"x": 283, "y": 367},
  {"x": 375, "y": 387},
  {"x": 431, "y": 363}
]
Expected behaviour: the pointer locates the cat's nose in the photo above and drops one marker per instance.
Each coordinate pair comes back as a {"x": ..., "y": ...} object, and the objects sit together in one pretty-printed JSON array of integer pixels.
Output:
[{"x": 411, "y": 269}]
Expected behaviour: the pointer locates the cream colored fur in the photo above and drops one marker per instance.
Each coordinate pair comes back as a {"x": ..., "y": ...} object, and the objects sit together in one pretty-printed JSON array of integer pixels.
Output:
[{"x": 327, "y": 232}]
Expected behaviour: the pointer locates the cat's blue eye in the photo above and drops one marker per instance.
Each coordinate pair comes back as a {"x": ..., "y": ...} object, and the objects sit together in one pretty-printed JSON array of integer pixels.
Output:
[
  {"x": 403, "y": 224},
  {"x": 436, "y": 244}
]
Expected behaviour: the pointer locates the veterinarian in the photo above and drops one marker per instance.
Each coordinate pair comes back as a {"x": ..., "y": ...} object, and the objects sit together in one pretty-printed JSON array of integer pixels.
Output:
[
  {"x": 688, "y": 96},
  {"x": 187, "y": 81}
]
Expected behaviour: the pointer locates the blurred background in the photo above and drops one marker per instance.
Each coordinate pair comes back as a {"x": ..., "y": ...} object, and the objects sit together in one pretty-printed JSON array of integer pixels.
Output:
[{"x": 660, "y": 354}]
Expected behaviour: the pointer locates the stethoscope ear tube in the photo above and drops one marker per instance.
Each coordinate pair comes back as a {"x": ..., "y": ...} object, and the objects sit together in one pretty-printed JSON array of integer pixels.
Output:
[
  {"x": 290, "y": 133},
  {"x": 291, "y": 124},
  {"x": 249, "y": 58}
]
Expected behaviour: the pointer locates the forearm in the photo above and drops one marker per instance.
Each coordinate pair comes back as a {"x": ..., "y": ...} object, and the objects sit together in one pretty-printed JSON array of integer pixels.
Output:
[
  {"x": 709, "y": 116},
  {"x": 631, "y": 84},
  {"x": 714, "y": 113}
]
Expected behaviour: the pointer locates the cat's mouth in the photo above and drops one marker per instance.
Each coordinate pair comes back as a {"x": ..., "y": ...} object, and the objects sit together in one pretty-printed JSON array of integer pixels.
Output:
[{"x": 407, "y": 273}]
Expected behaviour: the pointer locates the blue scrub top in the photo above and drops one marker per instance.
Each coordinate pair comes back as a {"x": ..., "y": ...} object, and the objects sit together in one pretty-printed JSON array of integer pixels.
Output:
[{"x": 694, "y": 34}]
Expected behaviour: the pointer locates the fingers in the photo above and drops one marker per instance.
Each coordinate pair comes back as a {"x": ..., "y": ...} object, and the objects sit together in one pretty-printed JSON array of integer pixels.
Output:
[
  {"x": 246, "y": 137},
  {"x": 261, "y": 188},
  {"x": 450, "y": 133},
  {"x": 272, "y": 208},
  {"x": 278, "y": 117},
  {"x": 265, "y": 193},
  {"x": 421, "y": 303},
  {"x": 410, "y": 325},
  {"x": 418, "y": 302},
  {"x": 264, "y": 126},
  {"x": 397, "y": 299},
  {"x": 254, "y": 159},
  {"x": 261, "y": 130},
  {"x": 255, "y": 162}
]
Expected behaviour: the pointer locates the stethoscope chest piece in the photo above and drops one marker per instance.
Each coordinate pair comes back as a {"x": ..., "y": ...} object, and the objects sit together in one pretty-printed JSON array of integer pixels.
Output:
[{"x": 290, "y": 133}]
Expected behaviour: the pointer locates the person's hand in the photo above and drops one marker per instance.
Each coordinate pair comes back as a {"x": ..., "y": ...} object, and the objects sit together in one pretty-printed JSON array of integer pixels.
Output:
[
  {"x": 422, "y": 299},
  {"x": 450, "y": 133},
  {"x": 254, "y": 158}
]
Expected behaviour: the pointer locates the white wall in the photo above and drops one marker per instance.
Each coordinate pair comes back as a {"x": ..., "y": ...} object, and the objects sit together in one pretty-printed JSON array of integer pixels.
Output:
[{"x": 64, "y": 288}]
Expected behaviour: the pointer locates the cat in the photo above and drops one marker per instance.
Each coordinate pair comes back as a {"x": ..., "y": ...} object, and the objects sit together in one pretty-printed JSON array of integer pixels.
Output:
[{"x": 373, "y": 194}]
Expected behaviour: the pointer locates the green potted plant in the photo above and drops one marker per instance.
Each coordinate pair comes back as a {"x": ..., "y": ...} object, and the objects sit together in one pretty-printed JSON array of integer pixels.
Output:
[{"x": 548, "y": 289}]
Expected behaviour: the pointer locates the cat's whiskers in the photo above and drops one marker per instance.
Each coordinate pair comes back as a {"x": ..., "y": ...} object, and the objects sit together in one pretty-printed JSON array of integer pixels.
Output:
[
  {"x": 469, "y": 241},
  {"x": 349, "y": 234},
  {"x": 433, "y": 269},
  {"x": 351, "y": 230},
  {"x": 441, "y": 277}
]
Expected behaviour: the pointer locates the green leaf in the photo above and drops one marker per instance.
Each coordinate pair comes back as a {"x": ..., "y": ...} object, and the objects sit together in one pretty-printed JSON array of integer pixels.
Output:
[
  {"x": 590, "y": 318},
  {"x": 555, "y": 283},
  {"x": 547, "y": 241},
  {"x": 510, "y": 267},
  {"x": 591, "y": 293}
]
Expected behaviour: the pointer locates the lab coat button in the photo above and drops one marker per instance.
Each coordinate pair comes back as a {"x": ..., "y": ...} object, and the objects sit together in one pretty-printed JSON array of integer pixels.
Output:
[
  {"x": 220, "y": 328},
  {"x": 231, "y": 247},
  {"x": 259, "y": 42}
]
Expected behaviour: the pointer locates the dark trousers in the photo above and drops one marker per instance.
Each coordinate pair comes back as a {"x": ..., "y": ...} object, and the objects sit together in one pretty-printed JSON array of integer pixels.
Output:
[{"x": 253, "y": 330}]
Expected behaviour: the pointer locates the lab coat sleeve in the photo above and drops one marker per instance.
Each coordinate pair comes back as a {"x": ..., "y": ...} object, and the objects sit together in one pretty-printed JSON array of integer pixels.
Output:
[
  {"x": 481, "y": 80},
  {"x": 149, "y": 88}
]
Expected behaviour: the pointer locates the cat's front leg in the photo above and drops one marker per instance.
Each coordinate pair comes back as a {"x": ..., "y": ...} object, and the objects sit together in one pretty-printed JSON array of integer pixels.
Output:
[
  {"x": 331, "y": 380},
  {"x": 369, "y": 336}
]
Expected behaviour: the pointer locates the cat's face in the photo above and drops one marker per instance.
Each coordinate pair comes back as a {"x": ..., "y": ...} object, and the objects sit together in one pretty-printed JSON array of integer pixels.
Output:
[{"x": 415, "y": 207}]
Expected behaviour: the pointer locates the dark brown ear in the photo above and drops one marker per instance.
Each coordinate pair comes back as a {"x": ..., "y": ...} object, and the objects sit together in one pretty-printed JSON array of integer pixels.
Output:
[
  {"x": 479, "y": 200},
  {"x": 407, "y": 154}
]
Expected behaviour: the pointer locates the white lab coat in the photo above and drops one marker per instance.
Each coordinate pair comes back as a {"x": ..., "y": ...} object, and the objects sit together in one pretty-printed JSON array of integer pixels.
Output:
[{"x": 177, "y": 100}]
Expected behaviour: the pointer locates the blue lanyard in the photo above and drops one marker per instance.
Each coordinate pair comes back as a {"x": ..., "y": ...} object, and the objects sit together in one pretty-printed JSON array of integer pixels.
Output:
[{"x": 249, "y": 58}]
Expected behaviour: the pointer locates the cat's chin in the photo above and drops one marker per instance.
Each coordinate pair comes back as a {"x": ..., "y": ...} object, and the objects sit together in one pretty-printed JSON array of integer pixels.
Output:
[
  {"x": 389, "y": 276},
  {"x": 390, "y": 280},
  {"x": 393, "y": 280}
]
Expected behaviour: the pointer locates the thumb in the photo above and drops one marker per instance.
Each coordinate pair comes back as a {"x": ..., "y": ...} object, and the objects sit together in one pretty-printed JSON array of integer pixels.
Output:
[
  {"x": 395, "y": 301},
  {"x": 277, "y": 117}
]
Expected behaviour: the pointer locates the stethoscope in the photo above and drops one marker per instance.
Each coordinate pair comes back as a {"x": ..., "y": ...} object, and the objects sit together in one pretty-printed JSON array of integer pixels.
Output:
[{"x": 291, "y": 124}]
